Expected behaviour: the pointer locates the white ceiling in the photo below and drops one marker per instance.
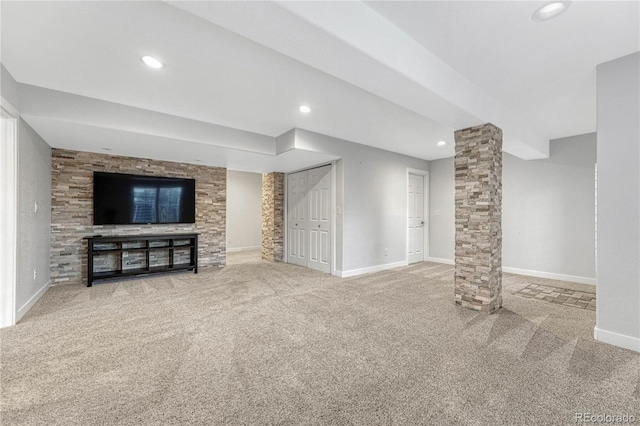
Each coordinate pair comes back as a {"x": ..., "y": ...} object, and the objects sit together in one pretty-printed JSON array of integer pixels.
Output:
[
  {"x": 395, "y": 75},
  {"x": 545, "y": 70}
]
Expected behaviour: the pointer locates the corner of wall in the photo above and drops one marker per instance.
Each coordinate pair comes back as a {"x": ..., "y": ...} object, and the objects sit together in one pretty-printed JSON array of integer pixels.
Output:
[{"x": 9, "y": 90}]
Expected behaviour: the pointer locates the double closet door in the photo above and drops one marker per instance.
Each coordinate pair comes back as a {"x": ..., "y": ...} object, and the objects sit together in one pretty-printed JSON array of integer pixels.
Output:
[{"x": 309, "y": 218}]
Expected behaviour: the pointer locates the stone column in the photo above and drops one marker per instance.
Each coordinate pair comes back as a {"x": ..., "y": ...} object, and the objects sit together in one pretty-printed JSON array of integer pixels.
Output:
[
  {"x": 478, "y": 261},
  {"x": 273, "y": 217}
]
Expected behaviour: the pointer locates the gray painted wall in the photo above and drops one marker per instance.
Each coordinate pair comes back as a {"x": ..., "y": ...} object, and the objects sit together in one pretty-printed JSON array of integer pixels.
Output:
[
  {"x": 548, "y": 208},
  {"x": 8, "y": 87},
  {"x": 548, "y": 216},
  {"x": 244, "y": 209},
  {"x": 442, "y": 223},
  {"x": 34, "y": 228},
  {"x": 33, "y": 186},
  {"x": 372, "y": 198},
  {"x": 618, "y": 292}
]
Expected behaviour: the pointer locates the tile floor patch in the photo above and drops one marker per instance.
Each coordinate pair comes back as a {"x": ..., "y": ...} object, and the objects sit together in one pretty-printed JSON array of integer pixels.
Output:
[{"x": 560, "y": 296}]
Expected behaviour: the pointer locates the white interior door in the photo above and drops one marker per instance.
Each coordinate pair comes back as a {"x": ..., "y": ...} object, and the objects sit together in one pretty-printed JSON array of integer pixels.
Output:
[
  {"x": 415, "y": 219},
  {"x": 298, "y": 218},
  {"x": 309, "y": 218},
  {"x": 320, "y": 219}
]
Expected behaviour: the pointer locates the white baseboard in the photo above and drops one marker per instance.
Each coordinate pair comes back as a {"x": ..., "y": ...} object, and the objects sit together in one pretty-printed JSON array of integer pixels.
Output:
[
  {"x": 616, "y": 339},
  {"x": 439, "y": 260},
  {"x": 371, "y": 269},
  {"x": 231, "y": 250},
  {"x": 531, "y": 273},
  {"x": 550, "y": 275},
  {"x": 27, "y": 306}
]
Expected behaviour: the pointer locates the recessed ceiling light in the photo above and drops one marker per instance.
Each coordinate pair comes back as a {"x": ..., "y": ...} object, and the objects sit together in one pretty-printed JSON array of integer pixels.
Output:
[
  {"x": 304, "y": 109},
  {"x": 441, "y": 143},
  {"x": 550, "y": 10},
  {"x": 152, "y": 62}
]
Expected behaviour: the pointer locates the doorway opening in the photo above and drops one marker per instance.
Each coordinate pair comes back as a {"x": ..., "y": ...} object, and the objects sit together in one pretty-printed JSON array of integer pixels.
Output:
[{"x": 244, "y": 217}]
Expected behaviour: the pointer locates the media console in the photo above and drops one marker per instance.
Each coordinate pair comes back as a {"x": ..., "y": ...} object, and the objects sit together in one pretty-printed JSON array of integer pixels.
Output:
[{"x": 130, "y": 255}]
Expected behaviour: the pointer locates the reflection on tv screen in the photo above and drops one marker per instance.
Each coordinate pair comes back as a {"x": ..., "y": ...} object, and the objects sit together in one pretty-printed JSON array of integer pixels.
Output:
[{"x": 131, "y": 199}]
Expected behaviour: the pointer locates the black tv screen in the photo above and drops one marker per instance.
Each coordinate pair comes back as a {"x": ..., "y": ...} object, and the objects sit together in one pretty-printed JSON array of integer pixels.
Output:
[{"x": 121, "y": 199}]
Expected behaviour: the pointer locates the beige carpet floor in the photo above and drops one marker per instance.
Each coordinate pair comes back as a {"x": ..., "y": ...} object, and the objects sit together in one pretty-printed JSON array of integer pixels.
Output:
[{"x": 259, "y": 343}]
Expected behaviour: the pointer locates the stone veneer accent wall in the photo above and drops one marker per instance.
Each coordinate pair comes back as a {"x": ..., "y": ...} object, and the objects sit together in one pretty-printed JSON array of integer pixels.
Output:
[
  {"x": 72, "y": 209},
  {"x": 478, "y": 201},
  {"x": 273, "y": 217}
]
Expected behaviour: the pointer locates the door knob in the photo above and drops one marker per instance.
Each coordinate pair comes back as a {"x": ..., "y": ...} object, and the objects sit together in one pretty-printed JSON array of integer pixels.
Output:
[
  {"x": 318, "y": 226},
  {"x": 422, "y": 223}
]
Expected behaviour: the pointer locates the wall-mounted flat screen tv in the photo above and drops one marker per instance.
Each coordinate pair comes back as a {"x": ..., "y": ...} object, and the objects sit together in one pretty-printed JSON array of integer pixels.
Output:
[{"x": 121, "y": 199}]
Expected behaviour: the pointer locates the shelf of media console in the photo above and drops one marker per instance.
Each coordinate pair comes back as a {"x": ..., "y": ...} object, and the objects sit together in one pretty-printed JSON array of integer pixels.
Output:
[{"x": 96, "y": 243}]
